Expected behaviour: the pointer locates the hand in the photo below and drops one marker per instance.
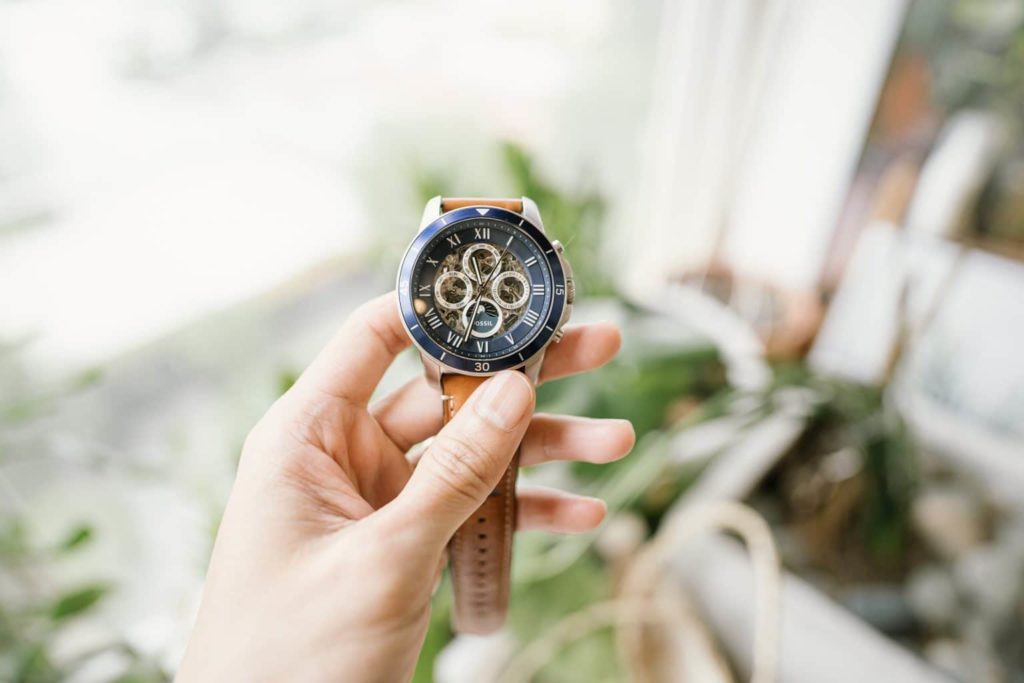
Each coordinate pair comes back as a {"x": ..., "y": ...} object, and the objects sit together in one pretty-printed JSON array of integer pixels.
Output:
[{"x": 331, "y": 543}]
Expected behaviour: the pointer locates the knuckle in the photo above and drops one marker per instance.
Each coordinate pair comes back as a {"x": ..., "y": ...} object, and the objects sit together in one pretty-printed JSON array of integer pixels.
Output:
[
  {"x": 289, "y": 427},
  {"x": 462, "y": 465}
]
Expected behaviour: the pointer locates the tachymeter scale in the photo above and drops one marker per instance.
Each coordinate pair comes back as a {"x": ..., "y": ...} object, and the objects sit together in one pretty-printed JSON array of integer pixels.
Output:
[{"x": 482, "y": 289}]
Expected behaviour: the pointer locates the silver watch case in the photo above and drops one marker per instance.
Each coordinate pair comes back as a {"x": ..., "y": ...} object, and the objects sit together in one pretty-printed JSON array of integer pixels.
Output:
[{"x": 433, "y": 368}]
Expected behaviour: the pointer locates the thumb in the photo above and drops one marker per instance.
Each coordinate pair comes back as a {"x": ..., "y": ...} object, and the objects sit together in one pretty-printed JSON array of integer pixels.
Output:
[{"x": 468, "y": 457}]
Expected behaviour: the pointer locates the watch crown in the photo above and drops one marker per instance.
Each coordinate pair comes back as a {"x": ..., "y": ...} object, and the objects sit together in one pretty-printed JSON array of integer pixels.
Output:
[{"x": 570, "y": 290}]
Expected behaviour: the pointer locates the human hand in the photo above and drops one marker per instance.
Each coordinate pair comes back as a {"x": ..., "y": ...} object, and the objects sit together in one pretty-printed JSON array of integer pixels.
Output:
[{"x": 332, "y": 543}]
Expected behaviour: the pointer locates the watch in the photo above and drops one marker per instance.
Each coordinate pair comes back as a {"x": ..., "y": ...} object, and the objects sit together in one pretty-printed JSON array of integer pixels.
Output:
[{"x": 481, "y": 290}]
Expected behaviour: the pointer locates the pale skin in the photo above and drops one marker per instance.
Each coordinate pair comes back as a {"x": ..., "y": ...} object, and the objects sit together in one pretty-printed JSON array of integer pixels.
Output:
[{"x": 332, "y": 541}]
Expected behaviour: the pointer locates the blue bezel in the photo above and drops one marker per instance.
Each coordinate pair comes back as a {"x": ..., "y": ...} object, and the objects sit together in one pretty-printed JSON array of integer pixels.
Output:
[{"x": 429, "y": 346}]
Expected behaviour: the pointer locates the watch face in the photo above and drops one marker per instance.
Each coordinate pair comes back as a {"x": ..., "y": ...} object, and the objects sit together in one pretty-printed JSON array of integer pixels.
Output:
[{"x": 481, "y": 289}]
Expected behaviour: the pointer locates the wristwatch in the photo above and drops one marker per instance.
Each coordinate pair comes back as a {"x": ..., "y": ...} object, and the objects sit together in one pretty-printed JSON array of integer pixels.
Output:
[{"x": 481, "y": 290}]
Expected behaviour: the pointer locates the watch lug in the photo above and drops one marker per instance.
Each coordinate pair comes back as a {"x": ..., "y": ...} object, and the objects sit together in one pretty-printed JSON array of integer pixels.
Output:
[
  {"x": 431, "y": 211},
  {"x": 532, "y": 213},
  {"x": 533, "y": 366}
]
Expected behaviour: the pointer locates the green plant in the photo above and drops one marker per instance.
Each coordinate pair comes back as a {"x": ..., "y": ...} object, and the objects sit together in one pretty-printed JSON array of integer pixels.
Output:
[
  {"x": 653, "y": 384},
  {"x": 35, "y": 613}
]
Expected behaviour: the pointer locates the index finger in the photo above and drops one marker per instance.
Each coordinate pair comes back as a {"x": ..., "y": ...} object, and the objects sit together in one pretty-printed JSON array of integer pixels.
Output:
[{"x": 353, "y": 362}]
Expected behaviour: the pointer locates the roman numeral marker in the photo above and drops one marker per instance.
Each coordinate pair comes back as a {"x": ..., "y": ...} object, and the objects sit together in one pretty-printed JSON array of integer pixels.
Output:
[
  {"x": 452, "y": 336},
  {"x": 482, "y": 346},
  {"x": 530, "y": 261},
  {"x": 510, "y": 339},
  {"x": 531, "y": 317},
  {"x": 538, "y": 290},
  {"x": 433, "y": 262},
  {"x": 482, "y": 233},
  {"x": 432, "y": 319},
  {"x": 424, "y": 290}
]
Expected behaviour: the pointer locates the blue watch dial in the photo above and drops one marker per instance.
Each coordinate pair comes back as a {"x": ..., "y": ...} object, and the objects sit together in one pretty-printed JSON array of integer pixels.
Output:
[{"x": 481, "y": 289}]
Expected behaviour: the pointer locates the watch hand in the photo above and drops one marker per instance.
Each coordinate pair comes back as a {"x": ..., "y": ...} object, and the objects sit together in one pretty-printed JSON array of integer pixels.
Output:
[
  {"x": 472, "y": 318},
  {"x": 483, "y": 288},
  {"x": 476, "y": 302}
]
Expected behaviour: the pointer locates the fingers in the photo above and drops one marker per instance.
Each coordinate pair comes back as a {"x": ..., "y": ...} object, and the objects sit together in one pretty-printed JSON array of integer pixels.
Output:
[
  {"x": 542, "y": 509},
  {"x": 584, "y": 347},
  {"x": 560, "y": 437},
  {"x": 413, "y": 412},
  {"x": 464, "y": 463},
  {"x": 554, "y": 437},
  {"x": 355, "y": 359}
]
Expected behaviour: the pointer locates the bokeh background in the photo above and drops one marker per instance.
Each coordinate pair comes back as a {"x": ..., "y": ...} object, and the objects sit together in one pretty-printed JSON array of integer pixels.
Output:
[{"x": 808, "y": 216}]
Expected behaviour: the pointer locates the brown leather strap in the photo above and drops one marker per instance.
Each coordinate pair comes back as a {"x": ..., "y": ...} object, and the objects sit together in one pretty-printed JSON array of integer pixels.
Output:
[
  {"x": 452, "y": 203},
  {"x": 480, "y": 553}
]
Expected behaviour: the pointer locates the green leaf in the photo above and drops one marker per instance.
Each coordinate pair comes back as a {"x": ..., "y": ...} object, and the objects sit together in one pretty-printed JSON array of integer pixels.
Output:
[
  {"x": 539, "y": 606},
  {"x": 285, "y": 380},
  {"x": 143, "y": 672},
  {"x": 13, "y": 540},
  {"x": 88, "y": 378},
  {"x": 33, "y": 664},
  {"x": 77, "y": 601},
  {"x": 79, "y": 536}
]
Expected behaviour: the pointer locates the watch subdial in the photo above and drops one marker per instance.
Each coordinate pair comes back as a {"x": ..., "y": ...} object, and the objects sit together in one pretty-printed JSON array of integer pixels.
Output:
[
  {"x": 489, "y": 318},
  {"x": 479, "y": 261},
  {"x": 453, "y": 290},
  {"x": 510, "y": 290}
]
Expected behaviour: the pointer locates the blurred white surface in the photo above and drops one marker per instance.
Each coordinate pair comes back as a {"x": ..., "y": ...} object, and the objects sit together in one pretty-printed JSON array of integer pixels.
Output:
[
  {"x": 820, "y": 641},
  {"x": 196, "y": 154},
  {"x": 758, "y": 119}
]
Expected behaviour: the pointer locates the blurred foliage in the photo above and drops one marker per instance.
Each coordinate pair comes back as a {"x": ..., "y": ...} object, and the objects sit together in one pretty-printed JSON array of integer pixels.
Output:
[
  {"x": 576, "y": 218},
  {"x": 644, "y": 385},
  {"x": 872, "y": 532},
  {"x": 34, "y": 615},
  {"x": 974, "y": 50},
  {"x": 541, "y": 604},
  {"x": 35, "y": 611}
]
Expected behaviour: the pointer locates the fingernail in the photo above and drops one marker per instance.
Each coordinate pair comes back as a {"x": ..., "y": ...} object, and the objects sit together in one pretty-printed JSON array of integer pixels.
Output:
[{"x": 504, "y": 400}]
